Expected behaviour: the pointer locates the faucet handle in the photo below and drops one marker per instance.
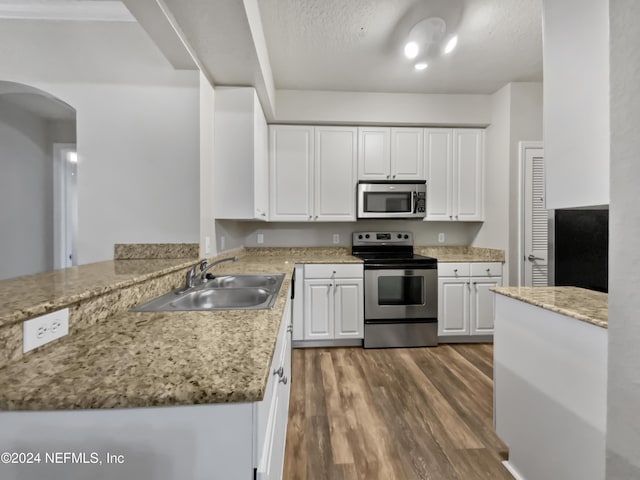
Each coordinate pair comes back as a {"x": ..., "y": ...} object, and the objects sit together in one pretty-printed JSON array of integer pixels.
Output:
[{"x": 202, "y": 264}]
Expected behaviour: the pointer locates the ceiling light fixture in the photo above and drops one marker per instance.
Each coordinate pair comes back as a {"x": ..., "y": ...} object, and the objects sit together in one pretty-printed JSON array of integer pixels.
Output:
[
  {"x": 451, "y": 44},
  {"x": 411, "y": 50},
  {"x": 420, "y": 66}
]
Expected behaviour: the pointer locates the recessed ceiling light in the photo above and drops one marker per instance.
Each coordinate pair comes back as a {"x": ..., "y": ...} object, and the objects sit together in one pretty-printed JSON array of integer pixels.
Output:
[
  {"x": 420, "y": 66},
  {"x": 451, "y": 44},
  {"x": 411, "y": 49}
]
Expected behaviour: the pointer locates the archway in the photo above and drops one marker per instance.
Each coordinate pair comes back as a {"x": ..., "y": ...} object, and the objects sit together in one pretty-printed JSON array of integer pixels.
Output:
[{"x": 38, "y": 207}]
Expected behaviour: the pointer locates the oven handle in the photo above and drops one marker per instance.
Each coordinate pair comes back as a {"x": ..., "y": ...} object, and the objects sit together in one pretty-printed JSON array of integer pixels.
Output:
[{"x": 387, "y": 266}]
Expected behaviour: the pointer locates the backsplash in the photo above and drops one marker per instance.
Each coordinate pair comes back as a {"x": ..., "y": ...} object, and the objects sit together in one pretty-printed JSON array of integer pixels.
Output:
[
  {"x": 128, "y": 251},
  {"x": 312, "y": 234}
]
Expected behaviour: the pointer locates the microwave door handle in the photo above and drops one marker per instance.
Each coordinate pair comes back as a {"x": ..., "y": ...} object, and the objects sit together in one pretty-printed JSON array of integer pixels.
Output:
[{"x": 414, "y": 199}]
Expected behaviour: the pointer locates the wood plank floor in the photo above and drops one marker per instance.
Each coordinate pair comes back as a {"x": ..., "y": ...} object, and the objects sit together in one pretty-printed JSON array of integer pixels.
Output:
[{"x": 419, "y": 413}]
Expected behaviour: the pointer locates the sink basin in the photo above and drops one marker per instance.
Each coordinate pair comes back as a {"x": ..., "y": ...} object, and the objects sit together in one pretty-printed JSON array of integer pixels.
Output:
[
  {"x": 237, "y": 292},
  {"x": 235, "y": 281},
  {"x": 226, "y": 298}
]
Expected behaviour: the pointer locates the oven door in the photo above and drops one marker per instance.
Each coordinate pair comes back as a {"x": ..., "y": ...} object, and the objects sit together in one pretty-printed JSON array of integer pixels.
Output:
[{"x": 400, "y": 294}]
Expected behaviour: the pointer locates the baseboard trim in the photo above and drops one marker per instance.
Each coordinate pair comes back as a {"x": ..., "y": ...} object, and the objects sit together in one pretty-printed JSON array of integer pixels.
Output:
[
  {"x": 466, "y": 339},
  {"x": 514, "y": 473},
  {"x": 351, "y": 342}
]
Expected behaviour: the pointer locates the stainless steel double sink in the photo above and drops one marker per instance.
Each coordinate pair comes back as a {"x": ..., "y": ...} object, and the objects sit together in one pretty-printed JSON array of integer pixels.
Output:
[{"x": 229, "y": 292}]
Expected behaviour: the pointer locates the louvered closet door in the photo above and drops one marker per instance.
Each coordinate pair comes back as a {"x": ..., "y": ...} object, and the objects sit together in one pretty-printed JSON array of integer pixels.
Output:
[{"x": 535, "y": 219}]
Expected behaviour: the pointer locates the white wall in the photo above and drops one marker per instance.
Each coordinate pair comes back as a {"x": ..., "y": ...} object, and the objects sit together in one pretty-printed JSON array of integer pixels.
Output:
[
  {"x": 321, "y": 234},
  {"x": 576, "y": 97},
  {"x": 494, "y": 231},
  {"x": 26, "y": 193},
  {"x": 623, "y": 421},
  {"x": 207, "y": 222},
  {"x": 361, "y": 108},
  {"x": 137, "y": 123}
]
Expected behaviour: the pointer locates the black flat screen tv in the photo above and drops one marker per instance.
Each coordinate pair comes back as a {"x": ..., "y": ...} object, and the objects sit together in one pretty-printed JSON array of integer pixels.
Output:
[{"x": 581, "y": 248}]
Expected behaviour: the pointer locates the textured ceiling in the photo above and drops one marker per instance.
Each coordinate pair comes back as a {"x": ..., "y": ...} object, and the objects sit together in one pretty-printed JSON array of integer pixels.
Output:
[{"x": 356, "y": 45}]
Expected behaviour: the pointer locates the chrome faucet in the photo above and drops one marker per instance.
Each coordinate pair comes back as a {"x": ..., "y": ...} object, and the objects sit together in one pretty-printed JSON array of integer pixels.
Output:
[
  {"x": 203, "y": 271},
  {"x": 190, "y": 277}
]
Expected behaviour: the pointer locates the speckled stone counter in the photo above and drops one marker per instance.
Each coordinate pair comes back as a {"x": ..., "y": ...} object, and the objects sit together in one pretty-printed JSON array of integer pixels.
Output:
[
  {"x": 462, "y": 254},
  {"x": 161, "y": 359},
  {"x": 25, "y": 297},
  {"x": 585, "y": 305}
]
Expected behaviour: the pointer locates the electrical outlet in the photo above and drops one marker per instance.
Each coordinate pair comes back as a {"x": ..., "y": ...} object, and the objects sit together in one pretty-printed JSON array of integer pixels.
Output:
[
  {"x": 336, "y": 238},
  {"x": 44, "y": 329},
  {"x": 207, "y": 245},
  {"x": 441, "y": 238},
  {"x": 260, "y": 238}
]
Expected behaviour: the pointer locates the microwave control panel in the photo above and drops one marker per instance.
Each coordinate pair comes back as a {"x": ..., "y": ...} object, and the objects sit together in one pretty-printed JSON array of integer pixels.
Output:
[{"x": 420, "y": 202}]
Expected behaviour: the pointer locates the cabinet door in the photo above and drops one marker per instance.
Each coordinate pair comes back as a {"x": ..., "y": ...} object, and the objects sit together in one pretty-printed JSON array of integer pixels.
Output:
[
  {"x": 318, "y": 309},
  {"x": 407, "y": 154},
  {"x": 261, "y": 162},
  {"x": 335, "y": 174},
  {"x": 291, "y": 159},
  {"x": 438, "y": 152},
  {"x": 374, "y": 153},
  {"x": 453, "y": 306},
  {"x": 349, "y": 308},
  {"x": 482, "y": 304},
  {"x": 468, "y": 171}
]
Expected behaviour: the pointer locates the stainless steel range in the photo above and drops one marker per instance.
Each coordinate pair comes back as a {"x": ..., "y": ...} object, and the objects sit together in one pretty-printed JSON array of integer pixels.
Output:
[{"x": 400, "y": 291}]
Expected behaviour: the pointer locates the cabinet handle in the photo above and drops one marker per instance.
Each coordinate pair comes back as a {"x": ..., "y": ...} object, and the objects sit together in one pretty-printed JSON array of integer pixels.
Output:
[
  {"x": 455, "y": 270},
  {"x": 394, "y": 176},
  {"x": 283, "y": 380},
  {"x": 488, "y": 270},
  {"x": 289, "y": 330},
  {"x": 334, "y": 272},
  {"x": 310, "y": 217},
  {"x": 263, "y": 214},
  {"x": 450, "y": 217},
  {"x": 316, "y": 217},
  {"x": 388, "y": 176},
  {"x": 279, "y": 372}
]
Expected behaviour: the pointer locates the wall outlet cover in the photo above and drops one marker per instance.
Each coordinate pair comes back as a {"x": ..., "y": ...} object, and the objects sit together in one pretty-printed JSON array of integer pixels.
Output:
[
  {"x": 260, "y": 238},
  {"x": 44, "y": 329},
  {"x": 441, "y": 237},
  {"x": 207, "y": 245},
  {"x": 336, "y": 238}
]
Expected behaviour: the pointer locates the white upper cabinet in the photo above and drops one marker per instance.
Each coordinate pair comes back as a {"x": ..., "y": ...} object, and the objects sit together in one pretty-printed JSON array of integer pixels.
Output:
[
  {"x": 407, "y": 154},
  {"x": 390, "y": 153},
  {"x": 374, "y": 153},
  {"x": 313, "y": 173},
  {"x": 291, "y": 160},
  {"x": 468, "y": 172},
  {"x": 335, "y": 174},
  {"x": 454, "y": 160},
  {"x": 240, "y": 155}
]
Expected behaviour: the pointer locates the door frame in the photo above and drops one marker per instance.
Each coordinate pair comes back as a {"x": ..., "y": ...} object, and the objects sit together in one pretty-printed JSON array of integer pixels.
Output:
[
  {"x": 64, "y": 213},
  {"x": 523, "y": 146}
]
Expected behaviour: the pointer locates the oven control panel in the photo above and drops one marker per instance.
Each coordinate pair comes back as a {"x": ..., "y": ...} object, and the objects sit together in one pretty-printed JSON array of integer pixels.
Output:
[{"x": 382, "y": 238}]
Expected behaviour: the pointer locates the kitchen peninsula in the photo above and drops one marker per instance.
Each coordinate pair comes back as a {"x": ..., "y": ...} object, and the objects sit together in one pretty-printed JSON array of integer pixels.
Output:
[{"x": 550, "y": 380}]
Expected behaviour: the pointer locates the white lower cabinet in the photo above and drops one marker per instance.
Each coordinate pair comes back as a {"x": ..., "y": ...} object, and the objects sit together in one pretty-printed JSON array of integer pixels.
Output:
[
  {"x": 273, "y": 412},
  {"x": 333, "y": 302},
  {"x": 465, "y": 304}
]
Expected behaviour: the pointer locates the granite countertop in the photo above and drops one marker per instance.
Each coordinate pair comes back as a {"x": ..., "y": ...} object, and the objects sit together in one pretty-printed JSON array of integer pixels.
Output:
[
  {"x": 586, "y": 305},
  {"x": 162, "y": 359},
  {"x": 25, "y": 297},
  {"x": 153, "y": 359}
]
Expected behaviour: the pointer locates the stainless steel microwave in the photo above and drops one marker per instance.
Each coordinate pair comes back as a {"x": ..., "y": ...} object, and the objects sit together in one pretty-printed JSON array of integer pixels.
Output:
[{"x": 392, "y": 199}]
